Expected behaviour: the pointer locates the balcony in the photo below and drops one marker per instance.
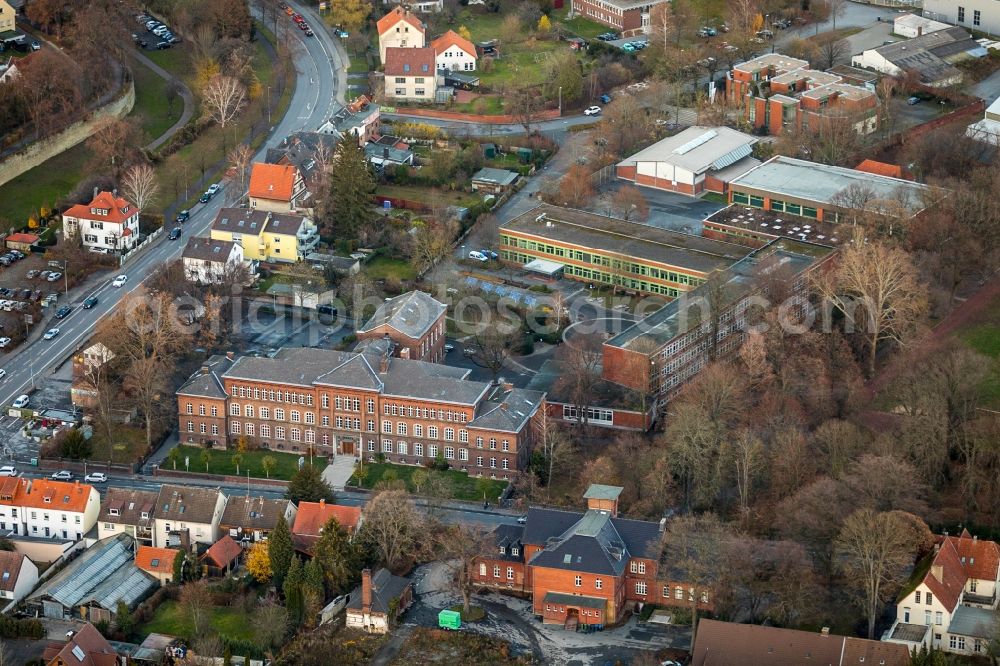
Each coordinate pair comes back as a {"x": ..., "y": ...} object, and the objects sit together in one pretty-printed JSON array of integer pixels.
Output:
[
  {"x": 973, "y": 599},
  {"x": 308, "y": 238}
]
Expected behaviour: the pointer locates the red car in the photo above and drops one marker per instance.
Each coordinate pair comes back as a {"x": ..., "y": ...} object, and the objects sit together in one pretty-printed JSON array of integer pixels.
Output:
[{"x": 297, "y": 18}]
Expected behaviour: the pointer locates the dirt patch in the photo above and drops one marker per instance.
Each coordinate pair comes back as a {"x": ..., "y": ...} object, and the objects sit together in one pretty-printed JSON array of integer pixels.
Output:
[{"x": 435, "y": 646}]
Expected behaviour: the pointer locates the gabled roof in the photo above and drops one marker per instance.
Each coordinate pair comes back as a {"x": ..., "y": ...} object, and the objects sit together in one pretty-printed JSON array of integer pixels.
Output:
[
  {"x": 409, "y": 62},
  {"x": 10, "y": 568},
  {"x": 498, "y": 176},
  {"x": 412, "y": 314},
  {"x": 254, "y": 513},
  {"x": 245, "y": 221},
  {"x": 207, "y": 381},
  {"x": 385, "y": 588},
  {"x": 118, "y": 209},
  {"x": 697, "y": 149},
  {"x": 207, "y": 249},
  {"x": 395, "y": 16},
  {"x": 186, "y": 504},
  {"x": 450, "y": 39},
  {"x": 312, "y": 516},
  {"x": 156, "y": 560},
  {"x": 949, "y": 582},
  {"x": 125, "y": 506},
  {"x": 980, "y": 558},
  {"x": 508, "y": 412},
  {"x": 87, "y": 647},
  {"x": 21, "y": 237},
  {"x": 223, "y": 552},
  {"x": 272, "y": 181},
  {"x": 62, "y": 495}
]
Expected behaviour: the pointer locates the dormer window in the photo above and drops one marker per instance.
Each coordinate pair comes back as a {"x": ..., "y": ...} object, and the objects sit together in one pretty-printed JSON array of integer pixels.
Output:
[
  {"x": 144, "y": 515},
  {"x": 113, "y": 512},
  {"x": 515, "y": 550},
  {"x": 502, "y": 550},
  {"x": 48, "y": 500}
]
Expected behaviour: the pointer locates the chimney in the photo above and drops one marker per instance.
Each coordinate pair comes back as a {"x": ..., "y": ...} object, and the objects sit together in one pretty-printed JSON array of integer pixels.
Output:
[
  {"x": 204, "y": 369},
  {"x": 95, "y": 194},
  {"x": 385, "y": 152},
  {"x": 663, "y": 524},
  {"x": 937, "y": 571},
  {"x": 114, "y": 192},
  {"x": 383, "y": 364},
  {"x": 322, "y": 502},
  {"x": 231, "y": 355},
  {"x": 366, "y": 591},
  {"x": 825, "y": 631}
]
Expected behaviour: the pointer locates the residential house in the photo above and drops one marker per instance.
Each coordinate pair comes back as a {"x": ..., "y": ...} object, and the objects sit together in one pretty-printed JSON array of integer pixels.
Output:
[
  {"x": 378, "y": 602},
  {"x": 7, "y": 17},
  {"x": 978, "y": 15},
  {"x": 223, "y": 556},
  {"x": 410, "y": 74},
  {"x": 185, "y": 516},
  {"x": 87, "y": 373},
  {"x": 278, "y": 188},
  {"x": 157, "y": 562},
  {"x": 305, "y": 150},
  {"x": 47, "y": 508},
  {"x": 400, "y": 28},
  {"x": 86, "y": 647},
  {"x": 91, "y": 585},
  {"x": 454, "y": 53},
  {"x": 951, "y": 602},
  {"x": 579, "y": 568},
  {"x": 210, "y": 261},
  {"x": 365, "y": 404},
  {"x": 628, "y": 17},
  {"x": 18, "y": 576},
  {"x": 987, "y": 130},
  {"x": 912, "y": 25},
  {"x": 20, "y": 241},
  {"x": 204, "y": 395},
  {"x": 697, "y": 160},
  {"x": 727, "y": 643},
  {"x": 266, "y": 236},
  {"x": 312, "y": 516},
  {"x": 108, "y": 224},
  {"x": 494, "y": 181},
  {"x": 8, "y": 71},
  {"x": 930, "y": 57},
  {"x": 361, "y": 118},
  {"x": 128, "y": 511},
  {"x": 414, "y": 321},
  {"x": 388, "y": 151},
  {"x": 251, "y": 519},
  {"x": 422, "y": 6},
  {"x": 778, "y": 93}
]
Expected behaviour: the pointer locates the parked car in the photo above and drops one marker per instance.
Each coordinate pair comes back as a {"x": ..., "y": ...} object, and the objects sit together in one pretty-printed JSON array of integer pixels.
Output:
[
  {"x": 183, "y": 216},
  {"x": 119, "y": 281},
  {"x": 592, "y": 111},
  {"x": 32, "y": 274},
  {"x": 4, "y": 342},
  {"x": 3, "y": 373},
  {"x": 765, "y": 34},
  {"x": 63, "y": 312},
  {"x": 608, "y": 36},
  {"x": 521, "y": 520},
  {"x": 309, "y": 33},
  {"x": 175, "y": 233},
  {"x": 62, "y": 475},
  {"x": 628, "y": 48},
  {"x": 90, "y": 302},
  {"x": 96, "y": 477},
  {"x": 913, "y": 100},
  {"x": 449, "y": 348},
  {"x": 205, "y": 198},
  {"x": 162, "y": 45},
  {"x": 21, "y": 402},
  {"x": 478, "y": 256},
  {"x": 51, "y": 334},
  {"x": 214, "y": 188},
  {"x": 54, "y": 276},
  {"x": 18, "y": 254},
  {"x": 8, "y": 470},
  {"x": 605, "y": 99},
  {"x": 490, "y": 253},
  {"x": 342, "y": 34}
]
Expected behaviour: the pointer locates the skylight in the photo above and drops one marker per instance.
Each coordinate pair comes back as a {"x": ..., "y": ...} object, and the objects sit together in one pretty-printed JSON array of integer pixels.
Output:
[{"x": 78, "y": 653}]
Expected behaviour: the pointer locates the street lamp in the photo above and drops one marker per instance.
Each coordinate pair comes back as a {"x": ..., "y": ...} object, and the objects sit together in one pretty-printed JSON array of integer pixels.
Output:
[
  {"x": 269, "y": 105},
  {"x": 560, "y": 100}
]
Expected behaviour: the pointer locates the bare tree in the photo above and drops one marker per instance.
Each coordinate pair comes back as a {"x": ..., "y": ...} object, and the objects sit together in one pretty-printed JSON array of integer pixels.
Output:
[
  {"x": 875, "y": 553},
  {"x": 523, "y": 103},
  {"x": 581, "y": 371},
  {"x": 240, "y": 159},
  {"x": 876, "y": 287},
  {"x": 492, "y": 345},
  {"x": 139, "y": 185},
  {"x": 461, "y": 545},
  {"x": 556, "y": 445},
  {"x": 629, "y": 203},
  {"x": 576, "y": 187},
  {"x": 746, "y": 453},
  {"x": 391, "y": 527},
  {"x": 833, "y": 51},
  {"x": 431, "y": 240},
  {"x": 196, "y": 602},
  {"x": 224, "y": 98},
  {"x": 695, "y": 546}
]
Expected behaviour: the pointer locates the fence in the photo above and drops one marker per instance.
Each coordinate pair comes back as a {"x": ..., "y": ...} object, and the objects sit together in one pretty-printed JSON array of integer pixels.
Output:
[
  {"x": 276, "y": 484},
  {"x": 86, "y": 466},
  {"x": 128, "y": 256},
  {"x": 602, "y": 176}
]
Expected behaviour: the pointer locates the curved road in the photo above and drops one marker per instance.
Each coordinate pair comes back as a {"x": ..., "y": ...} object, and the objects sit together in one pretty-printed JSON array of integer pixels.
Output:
[{"x": 320, "y": 69}]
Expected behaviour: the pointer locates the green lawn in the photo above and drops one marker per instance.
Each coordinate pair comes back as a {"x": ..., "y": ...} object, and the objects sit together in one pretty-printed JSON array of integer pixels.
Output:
[
  {"x": 520, "y": 62},
  {"x": 44, "y": 185},
  {"x": 985, "y": 339},
  {"x": 151, "y": 102},
  {"x": 428, "y": 195},
  {"x": 176, "y": 61},
  {"x": 486, "y": 105},
  {"x": 580, "y": 26},
  {"x": 463, "y": 486},
  {"x": 359, "y": 64},
  {"x": 221, "y": 462},
  {"x": 170, "y": 620},
  {"x": 382, "y": 268}
]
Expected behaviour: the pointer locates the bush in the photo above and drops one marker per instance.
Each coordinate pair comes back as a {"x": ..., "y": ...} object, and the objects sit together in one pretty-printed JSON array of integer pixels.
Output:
[
  {"x": 74, "y": 445},
  {"x": 14, "y": 628}
]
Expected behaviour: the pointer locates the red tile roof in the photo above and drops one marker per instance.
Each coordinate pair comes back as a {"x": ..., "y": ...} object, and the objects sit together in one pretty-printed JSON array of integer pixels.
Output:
[
  {"x": 980, "y": 558},
  {"x": 452, "y": 38},
  {"x": 395, "y": 16},
  {"x": 272, "y": 181},
  {"x": 409, "y": 62},
  {"x": 118, "y": 209},
  {"x": 312, "y": 516},
  {"x": 223, "y": 552},
  {"x": 21, "y": 237},
  {"x": 946, "y": 578},
  {"x": 156, "y": 560},
  {"x": 10, "y": 569},
  {"x": 96, "y": 650},
  {"x": 880, "y": 168},
  {"x": 63, "y": 495}
]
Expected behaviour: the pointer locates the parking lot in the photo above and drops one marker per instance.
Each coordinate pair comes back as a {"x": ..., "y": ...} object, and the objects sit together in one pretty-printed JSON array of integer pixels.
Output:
[
  {"x": 27, "y": 285},
  {"x": 151, "y": 33},
  {"x": 51, "y": 392}
]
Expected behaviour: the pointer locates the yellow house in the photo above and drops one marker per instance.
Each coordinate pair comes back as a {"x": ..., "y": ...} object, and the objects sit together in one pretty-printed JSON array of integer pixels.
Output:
[
  {"x": 6, "y": 17},
  {"x": 266, "y": 236}
]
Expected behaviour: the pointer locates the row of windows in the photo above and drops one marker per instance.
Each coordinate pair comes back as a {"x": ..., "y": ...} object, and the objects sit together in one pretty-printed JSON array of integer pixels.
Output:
[
  {"x": 594, "y": 415},
  {"x": 390, "y": 409},
  {"x": 294, "y": 434},
  {"x": 403, "y": 449},
  {"x": 189, "y": 409},
  {"x": 776, "y": 205},
  {"x": 203, "y": 428},
  {"x": 294, "y": 415},
  {"x": 271, "y": 395}
]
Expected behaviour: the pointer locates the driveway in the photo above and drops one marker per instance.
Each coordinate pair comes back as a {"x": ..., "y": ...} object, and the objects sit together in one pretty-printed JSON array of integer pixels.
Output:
[{"x": 870, "y": 38}]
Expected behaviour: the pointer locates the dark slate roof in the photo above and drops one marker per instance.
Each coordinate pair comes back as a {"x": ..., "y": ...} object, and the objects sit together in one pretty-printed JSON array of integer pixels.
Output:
[
  {"x": 508, "y": 412},
  {"x": 253, "y": 513},
  {"x": 545, "y": 523},
  {"x": 412, "y": 314},
  {"x": 186, "y": 503},
  {"x": 498, "y": 176},
  {"x": 206, "y": 382},
  {"x": 246, "y": 221},
  {"x": 207, "y": 249},
  {"x": 130, "y": 505},
  {"x": 508, "y": 536},
  {"x": 299, "y": 148},
  {"x": 385, "y": 587}
]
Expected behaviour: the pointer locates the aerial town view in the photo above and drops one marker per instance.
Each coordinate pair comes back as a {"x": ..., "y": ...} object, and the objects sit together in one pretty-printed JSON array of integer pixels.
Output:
[{"x": 499, "y": 332}]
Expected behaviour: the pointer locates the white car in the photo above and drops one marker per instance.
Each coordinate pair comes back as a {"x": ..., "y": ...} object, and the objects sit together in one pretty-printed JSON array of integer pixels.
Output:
[
  {"x": 21, "y": 402},
  {"x": 119, "y": 281},
  {"x": 62, "y": 475},
  {"x": 3, "y": 373},
  {"x": 478, "y": 256},
  {"x": 4, "y": 342},
  {"x": 8, "y": 470},
  {"x": 51, "y": 333},
  {"x": 214, "y": 188},
  {"x": 96, "y": 477},
  {"x": 592, "y": 111}
]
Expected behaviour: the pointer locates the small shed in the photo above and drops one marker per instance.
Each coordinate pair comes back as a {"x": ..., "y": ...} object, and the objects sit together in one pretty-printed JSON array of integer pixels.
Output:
[
  {"x": 21, "y": 242},
  {"x": 490, "y": 151},
  {"x": 223, "y": 556},
  {"x": 493, "y": 181}
]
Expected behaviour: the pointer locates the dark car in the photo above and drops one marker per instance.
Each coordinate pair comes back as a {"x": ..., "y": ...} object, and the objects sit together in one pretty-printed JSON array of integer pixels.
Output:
[
  {"x": 175, "y": 233},
  {"x": 62, "y": 312},
  {"x": 163, "y": 45},
  {"x": 90, "y": 302},
  {"x": 205, "y": 197},
  {"x": 183, "y": 216},
  {"x": 605, "y": 99}
]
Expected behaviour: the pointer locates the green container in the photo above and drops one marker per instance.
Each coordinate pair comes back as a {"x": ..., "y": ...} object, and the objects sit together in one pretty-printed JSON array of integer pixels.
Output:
[{"x": 449, "y": 619}]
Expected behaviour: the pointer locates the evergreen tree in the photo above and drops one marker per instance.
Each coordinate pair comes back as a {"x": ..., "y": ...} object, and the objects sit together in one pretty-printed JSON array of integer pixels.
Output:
[
  {"x": 293, "y": 593},
  {"x": 280, "y": 551},
  {"x": 352, "y": 185},
  {"x": 313, "y": 593},
  {"x": 307, "y": 485},
  {"x": 179, "y": 566},
  {"x": 338, "y": 557}
]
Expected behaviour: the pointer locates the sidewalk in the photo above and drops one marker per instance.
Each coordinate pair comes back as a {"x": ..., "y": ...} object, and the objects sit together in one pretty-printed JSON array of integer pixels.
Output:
[
  {"x": 338, "y": 471},
  {"x": 186, "y": 96}
]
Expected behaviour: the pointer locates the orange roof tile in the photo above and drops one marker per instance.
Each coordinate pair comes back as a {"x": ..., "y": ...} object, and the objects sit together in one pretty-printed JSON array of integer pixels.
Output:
[
  {"x": 980, "y": 558},
  {"x": 224, "y": 551},
  {"x": 12, "y": 490},
  {"x": 880, "y": 168},
  {"x": 312, "y": 516},
  {"x": 89, "y": 642},
  {"x": 948, "y": 588},
  {"x": 21, "y": 237},
  {"x": 395, "y": 16},
  {"x": 272, "y": 181},
  {"x": 452, "y": 38},
  {"x": 62, "y": 495},
  {"x": 118, "y": 209},
  {"x": 409, "y": 62},
  {"x": 156, "y": 560}
]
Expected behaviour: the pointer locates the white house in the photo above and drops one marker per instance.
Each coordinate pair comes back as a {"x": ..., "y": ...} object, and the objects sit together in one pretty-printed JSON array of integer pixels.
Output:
[
  {"x": 979, "y": 15},
  {"x": 987, "y": 130},
  {"x": 912, "y": 25},
  {"x": 128, "y": 511},
  {"x": 931, "y": 57},
  {"x": 422, "y": 6},
  {"x": 410, "y": 74},
  {"x": 18, "y": 576},
  {"x": 454, "y": 53},
  {"x": 107, "y": 224},
  {"x": 208, "y": 261},
  {"x": 46, "y": 508},
  {"x": 184, "y": 516},
  {"x": 953, "y": 607},
  {"x": 400, "y": 28}
]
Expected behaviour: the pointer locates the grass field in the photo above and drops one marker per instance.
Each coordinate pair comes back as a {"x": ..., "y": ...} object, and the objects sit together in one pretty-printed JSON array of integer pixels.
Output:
[
  {"x": 382, "y": 268},
  {"x": 428, "y": 195},
  {"x": 486, "y": 105},
  {"x": 43, "y": 185},
  {"x": 170, "y": 620},
  {"x": 580, "y": 26},
  {"x": 985, "y": 339},
  {"x": 523, "y": 62},
  {"x": 151, "y": 102},
  {"x": 463, "y": 486},
  {"x": 221, "y": 462}
]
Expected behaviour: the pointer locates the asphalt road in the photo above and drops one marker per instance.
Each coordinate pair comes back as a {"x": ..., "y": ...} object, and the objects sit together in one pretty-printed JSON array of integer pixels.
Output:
[{"x": 320, "y": 66}]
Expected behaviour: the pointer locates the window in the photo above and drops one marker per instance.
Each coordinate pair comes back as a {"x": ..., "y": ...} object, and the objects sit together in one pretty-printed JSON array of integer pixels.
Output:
[
  {"x": 203, "y": 428},
  {"x": 386, "y": 446},
  {"x": 279, "y": 432},
  {"x": 493, "y": 443},
  {"x": 265, "y": 430},
  {"x": 249, "y": 428},
  {"x": 496, "y": 570},
  {"x": 961, "y": 19},
  {"x": 505, "y": 445},
  {"x": 927, "y": 618},
  {"x": 248, "y": 411},
  {"x": 449, "y": 434},
  {"x": 401, "y": 448},
  {"x": 190, "y": 426},
  {"x": 295, "y": 435},
  {"x": 189, "y": 409},
  {"x": 678, "y": 593},
  {"x": 463, "y": 454},
  {"x": 401, "y": 428},
  {"x": 493, "y": 463},
  {"x": 310, "y": 417},
  {"x": 503, "y": 550},
  {"x": 642, "y": 567},
  {"x": 634, "y": 567},
  {"x": 215, "y": 410},
  {"x": 514, "y": 550},
  {"x": 326, "y": 421},
  {"x": 294, "y": 416},
  {"x": 598, "y": 583},
  {"x": 479, "y": 442},
  {"x": 234, "y": 427},
  {"x": 504, "y": 463},
  {"x": 640, "y": 587},
  {"x": 930, "y": 598},
  {"x": 418, "y": 450},
  {"x": 419, "y": 92},
  {"x": 976, "y": 15},
  {"x": 463, "y": 435},
  {"x": 510, "y": 573},
  {"x": 387, "y": 427},
  {"x": 418, "y": 430},
  {"x": 215, "y": 429},
  {"x": 937, "y": 618},
  {"x": 279, "y": 414},
  {"x": 234, "y": 409},
  {"x": 326, "y": 401},
  {"x": 449, "y": 452},
  {"x": 432, "y": 432},
  {"x": 916, "y": 596},
  {"x": 578, "y": 581},
  {"x": 482, "y": 569},
  {"x": 432, "y": 451},
  {"x": 479, "y": 461},
  {"x": 265, "y": 412}
]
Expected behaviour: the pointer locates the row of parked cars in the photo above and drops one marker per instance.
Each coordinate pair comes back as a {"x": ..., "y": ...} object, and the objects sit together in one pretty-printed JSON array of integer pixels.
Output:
[
  {"x": 298, "y": 18},
  {"x": 11, "y": 256},
  {"x": 161, "y": 30},
  {"x": 61, "y": 475}
]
